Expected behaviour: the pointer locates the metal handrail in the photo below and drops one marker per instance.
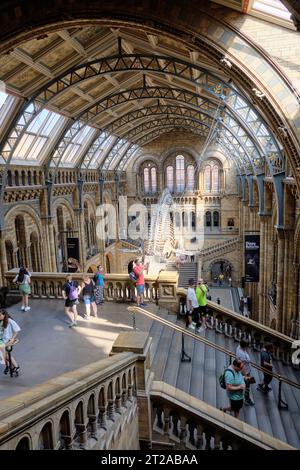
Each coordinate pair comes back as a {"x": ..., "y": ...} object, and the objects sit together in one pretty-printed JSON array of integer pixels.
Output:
[{"x": 205, "y": 341}]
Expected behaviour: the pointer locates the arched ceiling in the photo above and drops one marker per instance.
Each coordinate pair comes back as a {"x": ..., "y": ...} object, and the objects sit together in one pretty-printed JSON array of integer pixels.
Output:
[{"x": 119, "y": 86}]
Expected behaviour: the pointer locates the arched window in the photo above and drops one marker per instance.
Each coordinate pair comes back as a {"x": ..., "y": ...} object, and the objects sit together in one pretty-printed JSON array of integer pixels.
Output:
[
  {"x": 170, "y": 178},
  {"x": 190, "y": 172},
  {"x": 9, "y": 178},
  {"x": 207, "y": 181},
  {"x": 216, "y": 219},
  {"x": 184, "y": 219},
  {"x": 146, "y": 180},
  {"x": 208, "y": 219},
  {"x": 9, "y": 254},
  {"x": 193, "y": 221},
  {"x": 177, "y": 219},
  {"x": 215, "y": 178},
  {"x": 180, "y": 173},
  {"x": 153, "y": 180},
  {"x": 21, "y": 240}
]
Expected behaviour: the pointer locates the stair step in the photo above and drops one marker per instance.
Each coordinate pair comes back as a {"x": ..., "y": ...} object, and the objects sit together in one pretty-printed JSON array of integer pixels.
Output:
[
  {"x": 200, "y": 378},
  {"x": 161, "y": 355}
]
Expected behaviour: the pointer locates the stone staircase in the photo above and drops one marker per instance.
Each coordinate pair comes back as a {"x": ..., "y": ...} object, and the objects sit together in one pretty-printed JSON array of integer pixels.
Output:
[
  {"x": 199, "y": 378},
  {"x": 186, "y": 272},
  {"x": 220, "y": 248}
]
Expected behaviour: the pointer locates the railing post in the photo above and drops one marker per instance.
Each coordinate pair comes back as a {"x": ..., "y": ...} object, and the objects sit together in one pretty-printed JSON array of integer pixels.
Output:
[
  {"x": 139, "y": 343},
  {"x": 281, "y": 402}
]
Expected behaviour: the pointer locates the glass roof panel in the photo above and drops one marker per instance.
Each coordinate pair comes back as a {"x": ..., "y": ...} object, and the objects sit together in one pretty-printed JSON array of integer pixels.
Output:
[
  {"x": 77, "y": 146},
  {"x": 7, "y": 103}
]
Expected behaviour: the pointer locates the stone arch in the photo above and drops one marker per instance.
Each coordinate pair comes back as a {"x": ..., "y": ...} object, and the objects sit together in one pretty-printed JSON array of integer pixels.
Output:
[
  {"x": 140, "y": 159},
  {"x": 24, "y": 443},
  {"x": 61, "y": 201},
  {"x": 218, "y": 266},
  {"x": 65, "y": 430},
  {"x": 20, "y": 221},
  {"x": 45, "y": 441}
]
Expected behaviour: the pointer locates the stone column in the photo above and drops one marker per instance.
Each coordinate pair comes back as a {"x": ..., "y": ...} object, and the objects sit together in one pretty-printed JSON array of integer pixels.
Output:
[
  {"x": 280, "y": 279},
  {"x": 139, "y": 343},
  {"x": 80, "y": 225},
  {"x": 3, "y": 260},
  {"x": 288, "y": 282},
  {"x": 48, "y": 245}
]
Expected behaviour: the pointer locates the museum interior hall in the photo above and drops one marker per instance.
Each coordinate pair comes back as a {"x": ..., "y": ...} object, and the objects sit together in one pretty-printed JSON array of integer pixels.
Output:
[{"x": 150, "y": 225}]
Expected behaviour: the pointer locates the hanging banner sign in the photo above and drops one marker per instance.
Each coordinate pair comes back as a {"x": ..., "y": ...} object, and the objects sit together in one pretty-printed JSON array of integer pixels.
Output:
[{"x": 252, "y": 245}]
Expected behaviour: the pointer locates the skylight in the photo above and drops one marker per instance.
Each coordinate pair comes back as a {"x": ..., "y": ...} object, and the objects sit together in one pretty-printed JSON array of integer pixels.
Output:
[{"x": 272, "y": 7}]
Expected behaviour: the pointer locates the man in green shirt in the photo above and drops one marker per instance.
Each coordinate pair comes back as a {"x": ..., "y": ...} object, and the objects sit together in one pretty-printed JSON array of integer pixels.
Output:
[{"x": 201, "y": 293}]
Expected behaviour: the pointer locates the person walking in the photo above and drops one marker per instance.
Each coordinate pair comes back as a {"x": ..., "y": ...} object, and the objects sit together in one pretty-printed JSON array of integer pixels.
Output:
[
  {"x": 70, "y": 292},
  {"x": 23, "y": 281},
  {"x": 88, "y": 288},
  {"x": 201, "y": 294},
  {"x": 99, "y": 285},
  {"x": 242, "y": 354},
  {"x": 266, "y": 363},
  {"x": 9, "y": 330},
  {"x": 192, "y": 307},
  {"x": 235, "y": 386}
]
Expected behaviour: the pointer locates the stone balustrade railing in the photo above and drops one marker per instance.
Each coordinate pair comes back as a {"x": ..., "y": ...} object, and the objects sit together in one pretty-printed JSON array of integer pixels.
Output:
[
  {"x": 118, "y": 287},
  {"x": 94, "y": 407},
  {"x": 192, "y": 424},
  {"x": 160, "y": 289},
  {"x": 223, "y": 247},
  {"x": 236, "y": 326}
]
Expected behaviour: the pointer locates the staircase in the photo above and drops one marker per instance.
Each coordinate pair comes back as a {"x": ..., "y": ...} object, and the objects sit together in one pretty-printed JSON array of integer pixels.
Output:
[
  {"x": 220, "y": 248},
  {"x": 199, "y": 378},
  {"x": 186, "y": 272},
  {"x": 171, "y": 266}
]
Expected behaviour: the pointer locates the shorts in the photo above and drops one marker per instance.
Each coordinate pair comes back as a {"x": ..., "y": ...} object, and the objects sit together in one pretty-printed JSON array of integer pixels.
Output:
[
  {"x": 71, "y": 303},
  {"x": 25, "y": 289},
  {"x": 202, "y": 310},
  {"x": 140, "y": 289},
  {"x": 236, "y": 405},
  {"x": 87, "y": 300}
]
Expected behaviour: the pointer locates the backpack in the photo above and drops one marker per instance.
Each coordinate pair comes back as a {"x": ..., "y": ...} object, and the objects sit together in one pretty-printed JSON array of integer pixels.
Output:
[
  {"x": 133, "y": 276},
  {"x": 222, "y": 378},
  {"x": 73, "y": 293}
]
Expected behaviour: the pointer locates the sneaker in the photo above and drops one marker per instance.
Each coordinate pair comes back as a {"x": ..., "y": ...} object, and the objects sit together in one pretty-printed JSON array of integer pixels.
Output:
[
  {"x": 23, "y": 308},
  {"x": 198, "y": 330},
  {"x": 268, "y": 389},
  {"x": 191, "y": 327},
  {"x": 26, "y": 309},
  {"x": 249, "y": 402},
  {"x": 71, "y": 325},
  {"x": 6, "y": 370},
  {"x": 143, "y": 305},
  {"x": 75, "y": 323}
]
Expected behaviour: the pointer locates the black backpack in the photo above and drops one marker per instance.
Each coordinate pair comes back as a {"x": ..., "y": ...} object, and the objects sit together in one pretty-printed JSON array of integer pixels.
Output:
[{"x": 222, "y": 378}]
